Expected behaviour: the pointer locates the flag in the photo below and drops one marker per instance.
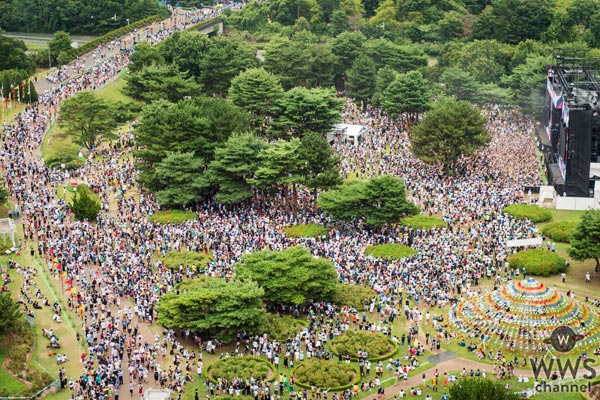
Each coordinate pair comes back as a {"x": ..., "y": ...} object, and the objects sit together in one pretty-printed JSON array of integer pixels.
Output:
[{"x": 69, "y": 283}]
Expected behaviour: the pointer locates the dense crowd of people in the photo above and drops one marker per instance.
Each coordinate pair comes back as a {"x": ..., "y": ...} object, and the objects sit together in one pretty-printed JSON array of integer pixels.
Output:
[{"x": 113, "y": 257}]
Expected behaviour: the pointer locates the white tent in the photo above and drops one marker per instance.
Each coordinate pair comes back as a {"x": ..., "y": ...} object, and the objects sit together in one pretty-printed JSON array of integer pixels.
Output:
[{"x": 531, "y": 242}]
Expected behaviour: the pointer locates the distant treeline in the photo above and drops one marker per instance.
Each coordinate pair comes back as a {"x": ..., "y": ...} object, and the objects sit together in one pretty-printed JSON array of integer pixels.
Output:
[{"x": 74, "y": 16}]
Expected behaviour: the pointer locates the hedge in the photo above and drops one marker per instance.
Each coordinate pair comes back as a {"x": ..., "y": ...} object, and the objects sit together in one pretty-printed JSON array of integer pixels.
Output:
[
  {"x": 423, "y": 222},
  {"x": 277, "y": 327},
  {"x": 326, "y": 374},
  {"x": 528, "y": 211},
  {"x": 353, "y": 295},
  {"x": 351, "y": 341},
  {"x": 393, "y": 251},
  {"x": 191, "y": 259},
  {"x": 538, "y": 262},
  {"x": 306, "y": 230},
  {"x": 202, "y": 23},
  {"x": 559, "y": 231},
  {"x": 231, "y": 364}
]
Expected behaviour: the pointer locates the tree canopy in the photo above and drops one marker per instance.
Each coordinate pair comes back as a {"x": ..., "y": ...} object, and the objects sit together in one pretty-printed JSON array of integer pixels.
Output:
[
  {"x": 215, "y": 307},
  {"x": 585, "y": 239},
  {"x": 450, "y": 129},
  {"x": 292, "y": 276},
  {"x": 379, "y": 201},
  {"x": 9, "y": 313}
]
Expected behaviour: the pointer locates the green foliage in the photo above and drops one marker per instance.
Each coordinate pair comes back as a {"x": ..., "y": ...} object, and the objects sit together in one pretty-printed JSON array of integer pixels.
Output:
[
  {"x": 278, "y": 327},
  {"x": 379, "y": 200},
  {"x": 79, "y": 16},
  {"x": 306, "y": 230},
  {"x": 408, "y": 93},
  {"x": 172, "y": 216},
  {"x": 318, "y": 163},
  {"x": 480, "y": 389},
  {"x": 256, "y": 91},
  {"x": 60, "y": 47},
  {"x": 234, "y": 163},
  {"x": 302, "y": 110},
  {"x": 144, "y": 55},
  {"x": 88, "y": 118},
  {"x": 401, "y": 58},
  {"x": 216, "y": 307},
  {"x": 377, "y": 345},
  {"x": 179, "y": 180},
  {"x": 157, "y": 82},
  {"x": 12, "y": 78},
  {"x": 85, "y": 205},
  {"x": 361, "y": 79},
  {"x": 559, "y": 231},
  {"x": 528, "y": 211},
  {"x": 12, "y": 54},
  {"x": 585, "y": 239},
  {"x": 326, "y": 374},
  {"x": 538, "y": 262},
  {"x": 192, "y": 259},
  {"x": 423, "y": 222},
  {"x": 452, "y": 128},
  {"x": 9, "y": 313},
  {"x": 242, "y": 368},
  {"x": 347, "y": 47},
  {"x": 393, "y": 251},
  {"x": 70, "y": 161},
  {"x": 3, "y": 192},
  {"x": 353, "y": 295},
  {"x": 291, "y": 276}
]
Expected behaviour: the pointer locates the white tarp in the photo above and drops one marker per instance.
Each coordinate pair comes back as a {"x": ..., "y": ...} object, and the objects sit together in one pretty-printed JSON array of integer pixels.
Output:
[{"x": 524, "y": 242}]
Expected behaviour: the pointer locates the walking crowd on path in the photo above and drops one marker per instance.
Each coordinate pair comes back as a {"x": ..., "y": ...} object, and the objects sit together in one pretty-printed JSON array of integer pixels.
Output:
[{"x": 117, "y": 284}]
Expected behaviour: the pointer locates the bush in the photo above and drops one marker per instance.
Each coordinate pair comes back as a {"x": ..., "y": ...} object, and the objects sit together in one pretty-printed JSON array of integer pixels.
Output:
[
  {"x": 352, "y": 295},
  {"x": 71, "y": 162},
  {"x": 559, "y": 231},
  {"x": 277, "y": 327},
  {"x": 376, "y": 345},
  {"x": 394, "y": 251},
  {"x": 306, "y": 230},
  {"x": 528, "y": 211},
  {"x": 538, "y": 262},
  {"x": 85, "y": 204},
  {"x": 327, "y": 374},
  {"x": 191, "y": 259},
  {"x": 241, "y": 367},
  {"x": 172, "y": 216},
  {"x": 423, "y": 222}
]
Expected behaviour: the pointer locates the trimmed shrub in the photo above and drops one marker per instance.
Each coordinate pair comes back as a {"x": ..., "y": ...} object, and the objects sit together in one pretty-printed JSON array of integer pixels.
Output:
[
  {"x": 241, "y": 367},
  {"x": 191, "y": 259},
  {"x": 327, "y": 374},
  {"x": 393, "y": 251},
  {"x": 277, "y": 327},
  {"x": 353, "y": 295},
  {"x": 306, "y": 230},
  {"x": 559, "y": 231},
  {"x": 172, "y": 216},
  {"x": 528, "y": 211},
  {"x": 538, "y": 262},
  {"x": 376, "y": 345},
  {"x": 423, "y": 222}
]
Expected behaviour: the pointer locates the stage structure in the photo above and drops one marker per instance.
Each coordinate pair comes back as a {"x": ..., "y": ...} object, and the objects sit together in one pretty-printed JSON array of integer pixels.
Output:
[{"x": 572, "y": 123}]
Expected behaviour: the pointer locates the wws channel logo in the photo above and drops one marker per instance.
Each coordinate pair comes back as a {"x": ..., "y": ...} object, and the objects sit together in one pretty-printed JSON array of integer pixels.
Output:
[{"x": 563, "y": 340}]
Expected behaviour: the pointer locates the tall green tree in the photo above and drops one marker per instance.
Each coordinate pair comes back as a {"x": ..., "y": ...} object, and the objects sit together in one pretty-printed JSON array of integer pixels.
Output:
[
  {"x": 480, "y": 389},
  {"x": 214, "y": 307},
  {"x": 383, "y": 79},
  {"x": 234, "y": 164},
  {"x": 157, "y": 82},
  {"x": 347, "y": 48},
  {"x": 361, "y": 79},
  {"x": 180, "y": 180},
  {"x": 3, "y": 192},
  {"x": 401, "y": 58},
  {"x": 60, "y": 46},
  {"x": 292, "y": 276},
  {"x": 379, "y": 201},
  {"x": 186, "y": 51},
  {"x": 144, "y": 54},
  {"x": 318, "y": 164},
  {"x": 88, "y": 118},
  {"x": 225, "y": 58},
  {"x": 12, "y": 54},
  {"x": 9, "y": 313},
  {"x": 85, "y": 205},
  {"x": 408, "y": 93},
  {"x": 302, "y": 110},
  {"x": 450, "y": 129},
  {"x": 256, "y": 91},
  {"x": 585, "y": 239}
]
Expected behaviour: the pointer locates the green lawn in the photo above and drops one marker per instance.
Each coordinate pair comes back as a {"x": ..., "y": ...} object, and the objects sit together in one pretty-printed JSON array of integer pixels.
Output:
[
  {"x": 172, "y": 216},
  {"x": 393, "y": 251},
  {"x": 9, "y": 385},
  {"x": 57, "y": 142},
  {"x": 306, "y": 230},
  {"x": 113, "y": 94}
]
